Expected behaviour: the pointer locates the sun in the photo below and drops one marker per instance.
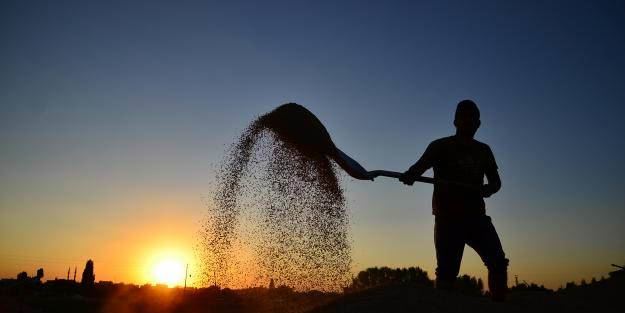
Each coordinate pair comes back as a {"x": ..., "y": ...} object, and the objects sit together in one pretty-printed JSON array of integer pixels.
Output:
[
  {"x": 170, "y": 272},
  {"x": 166, "y": 263}
]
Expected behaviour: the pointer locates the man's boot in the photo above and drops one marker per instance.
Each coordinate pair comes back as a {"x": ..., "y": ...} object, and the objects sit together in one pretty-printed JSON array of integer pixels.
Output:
[{"x": 498, "y": 284}]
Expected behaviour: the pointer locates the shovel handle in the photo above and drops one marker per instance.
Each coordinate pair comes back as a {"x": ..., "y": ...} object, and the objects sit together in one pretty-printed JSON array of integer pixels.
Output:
[
  {"x": 423, "y": 179},
  {"x": 385, "y": 173}
]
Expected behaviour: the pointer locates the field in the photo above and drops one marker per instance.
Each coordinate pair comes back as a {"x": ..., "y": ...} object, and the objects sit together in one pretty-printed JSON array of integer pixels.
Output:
[{"x": 68, "y": 296}]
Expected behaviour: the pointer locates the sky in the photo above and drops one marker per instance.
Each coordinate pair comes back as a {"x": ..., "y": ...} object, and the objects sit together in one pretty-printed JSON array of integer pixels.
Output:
[{"x": 114, "y": 114}]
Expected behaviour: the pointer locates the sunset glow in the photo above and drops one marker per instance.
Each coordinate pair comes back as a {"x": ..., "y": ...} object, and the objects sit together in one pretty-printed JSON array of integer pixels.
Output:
[{"x": 117, "y": 119}]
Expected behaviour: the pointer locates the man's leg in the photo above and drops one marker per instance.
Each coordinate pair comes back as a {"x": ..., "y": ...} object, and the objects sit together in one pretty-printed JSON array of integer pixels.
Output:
[
  {"x": 483, "y": 237},
  {"x": 449, "y": 243}
]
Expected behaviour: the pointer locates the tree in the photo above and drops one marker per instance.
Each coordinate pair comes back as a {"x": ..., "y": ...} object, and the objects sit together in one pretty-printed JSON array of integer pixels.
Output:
[
  {"x": 39, "y": 275},
  {"x": 384, "y": 276},
  {"x": 470, "y": 285},
  {"x": 22, "y": 276},
  {"x": 525, "y": 286},
  {"x": 88, "y": 276}
]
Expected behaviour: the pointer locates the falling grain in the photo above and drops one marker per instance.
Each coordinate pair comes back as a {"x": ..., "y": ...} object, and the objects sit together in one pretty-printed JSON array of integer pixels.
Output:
[{"x": 278, "y": 210}]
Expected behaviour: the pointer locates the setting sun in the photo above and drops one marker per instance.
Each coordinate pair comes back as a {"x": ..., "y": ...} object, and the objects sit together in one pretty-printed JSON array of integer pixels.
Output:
[
  {"x": 166, "y": 265},
  {"x": 169, "y": 272}
]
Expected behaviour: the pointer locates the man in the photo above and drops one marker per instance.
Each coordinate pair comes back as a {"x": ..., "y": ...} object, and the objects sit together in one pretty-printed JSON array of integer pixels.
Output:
[{"x": 459, "y": 209}]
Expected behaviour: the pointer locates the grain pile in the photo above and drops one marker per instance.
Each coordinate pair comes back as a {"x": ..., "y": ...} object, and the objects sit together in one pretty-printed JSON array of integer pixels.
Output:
[{"x": 278, "y": 210}]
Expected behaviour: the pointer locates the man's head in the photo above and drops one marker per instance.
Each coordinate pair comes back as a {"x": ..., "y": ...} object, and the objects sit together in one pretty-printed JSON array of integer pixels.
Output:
[{"x": 467, "y": 118}]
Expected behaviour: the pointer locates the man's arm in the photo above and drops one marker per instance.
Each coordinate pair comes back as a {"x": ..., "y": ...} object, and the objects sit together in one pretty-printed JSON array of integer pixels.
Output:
[
  {"x": 494, "y": 183},
  {"x": 417, "y": 169},
  {"x": 492, "y": 175}
]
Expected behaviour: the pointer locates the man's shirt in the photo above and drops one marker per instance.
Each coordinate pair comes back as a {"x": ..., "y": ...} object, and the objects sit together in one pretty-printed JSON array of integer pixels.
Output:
[{"x": 464, "y": 162}]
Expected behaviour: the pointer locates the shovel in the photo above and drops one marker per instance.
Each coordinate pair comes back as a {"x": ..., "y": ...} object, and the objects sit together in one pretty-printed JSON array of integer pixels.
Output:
[
  {"x": 356, "y": 170},
  {"x": 295, "y": 124}
]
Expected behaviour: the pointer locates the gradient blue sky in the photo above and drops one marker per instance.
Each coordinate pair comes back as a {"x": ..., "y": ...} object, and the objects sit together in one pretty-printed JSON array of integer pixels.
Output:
[{"x": 113, "y": 114}]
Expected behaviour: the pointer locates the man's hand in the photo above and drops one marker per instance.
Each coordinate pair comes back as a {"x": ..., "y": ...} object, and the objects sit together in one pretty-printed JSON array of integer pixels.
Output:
[
  {"x": 486, "y": 191},
  {"x": 407, "y": 178}
]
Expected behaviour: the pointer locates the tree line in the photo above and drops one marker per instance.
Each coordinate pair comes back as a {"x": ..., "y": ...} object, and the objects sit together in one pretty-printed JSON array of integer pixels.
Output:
[{"x": 385, "y": 276}]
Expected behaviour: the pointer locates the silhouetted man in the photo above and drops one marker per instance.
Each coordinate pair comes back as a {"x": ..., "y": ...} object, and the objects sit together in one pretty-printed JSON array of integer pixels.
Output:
[{"x": 459, "y": 210}]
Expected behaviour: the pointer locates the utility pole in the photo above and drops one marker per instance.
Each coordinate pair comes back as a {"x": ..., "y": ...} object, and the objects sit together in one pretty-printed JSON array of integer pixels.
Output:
[
  {"x": 186, "y": 274},
  {"x": 75, "y": 268},
  {"x": 68, "y": 269}
]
